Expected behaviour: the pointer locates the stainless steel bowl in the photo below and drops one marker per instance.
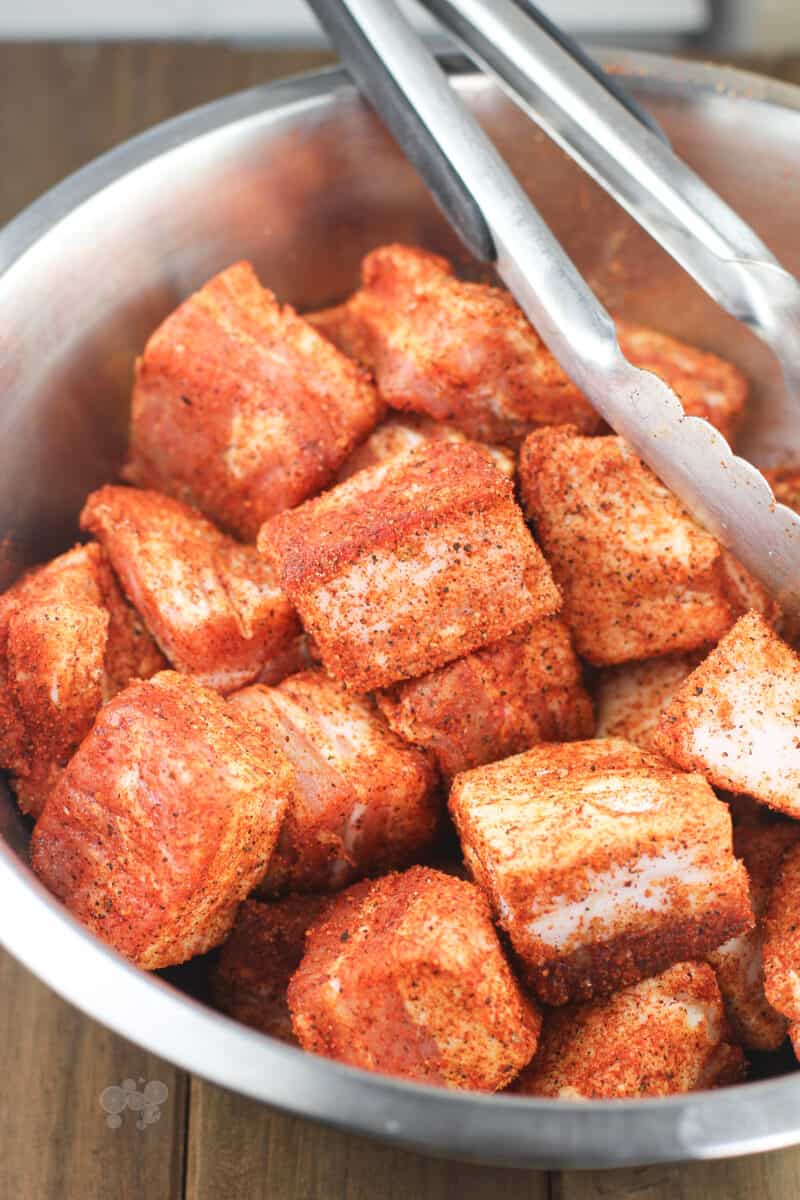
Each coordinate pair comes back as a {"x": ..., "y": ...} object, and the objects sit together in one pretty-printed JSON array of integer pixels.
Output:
[{"x": 300, "y": 178}]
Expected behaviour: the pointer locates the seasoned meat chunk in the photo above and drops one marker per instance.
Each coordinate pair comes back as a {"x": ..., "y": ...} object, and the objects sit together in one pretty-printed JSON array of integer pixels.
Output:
[
  {"x": 364, "y": 801},
  {"x": 405, "y": 975},
  {"x": 602, "y": 863},
  {"x": 629, "y": 698},
  {"x": 458, "y": 352},
  {"x": 410, "y": 564},
  {"x": 465, "y": 353},
  {"x": 659, "y": 1037},
  {"x": 781, "y": 950},
  {"x": 212, "y": 604},
  {"x": 33, "y": 787},
  {"x": 240, "y": 408},
  {"x": 68, "y": 641},
  {"x": 163, "y": 821},
  {"x": 397, "y": 435},
  {"x": 639, "y": 578},
  {"x": 707, "y": 386},
  {"x": 131, "y": 650},
  {"x": 54, "y": 630},
  {"x": 736, "y": 719},
  {"x": 738, "y": 963},
  {"x": 495, "y": 702},
  {"x": 259, "y": 958}
]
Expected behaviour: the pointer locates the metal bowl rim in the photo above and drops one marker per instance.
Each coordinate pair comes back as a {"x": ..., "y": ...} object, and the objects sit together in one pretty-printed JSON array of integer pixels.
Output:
[{"x": 506, "y": 1129}]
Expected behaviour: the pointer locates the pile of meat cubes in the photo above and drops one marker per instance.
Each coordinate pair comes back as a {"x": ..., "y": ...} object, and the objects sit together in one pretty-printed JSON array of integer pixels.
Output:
[{"x": 391, "y": 673}]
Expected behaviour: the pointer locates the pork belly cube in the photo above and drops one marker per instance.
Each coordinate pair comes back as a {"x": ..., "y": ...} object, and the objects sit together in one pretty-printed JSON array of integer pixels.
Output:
[
  {"x": 68, "y": 641},
  {"x": 707, "y": 386},
  {"x": 497, "y": 701},
  {"x": 659, "y": 1037},
  {"x": 736, "y": 719},
  {"x": 33, "y": 787},
  {"x": 405, "y": 975},
  {"x": 212, "y": 604},
  {"x": 397, "y": 435},
  {"x": 259, "y": 958},
  {"x": 738, "y": 963},
  {"x": 781, "y": 949},
  {"x": 639, "y": 578},
  {"x": 53, "y": 635},
  {"x": 602, "y": 863},
  {"x": 163, "y": 821},
  {"x": 458, "y": 352},
  {"x": 241, "y": 408},
  {"x": 410, "y": 564},
  {"x": 364, "y": 801},
  {"x": 629, "y": 698}
]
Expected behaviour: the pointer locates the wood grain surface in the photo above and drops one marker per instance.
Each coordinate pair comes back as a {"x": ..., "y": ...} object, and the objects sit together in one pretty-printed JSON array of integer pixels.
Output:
[
  {"x": 61, "y": 105},
  {"x": 54, "y": 1139}
]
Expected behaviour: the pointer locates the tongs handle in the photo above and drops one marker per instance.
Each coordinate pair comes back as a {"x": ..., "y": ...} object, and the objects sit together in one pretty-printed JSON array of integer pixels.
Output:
[
  {"x": 586, "y": 117},
  {"x": 470, "y": 180},
  {"x": 496, "y": 219},
  {"x": 589, "y": 64}
]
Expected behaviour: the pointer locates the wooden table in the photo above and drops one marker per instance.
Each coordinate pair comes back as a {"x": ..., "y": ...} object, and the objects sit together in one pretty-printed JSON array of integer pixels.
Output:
[{"x": 61, "y": 105}]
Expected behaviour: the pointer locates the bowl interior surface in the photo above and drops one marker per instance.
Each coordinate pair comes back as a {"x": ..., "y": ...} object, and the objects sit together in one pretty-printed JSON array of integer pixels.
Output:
[{"x": 301, "y": 179}]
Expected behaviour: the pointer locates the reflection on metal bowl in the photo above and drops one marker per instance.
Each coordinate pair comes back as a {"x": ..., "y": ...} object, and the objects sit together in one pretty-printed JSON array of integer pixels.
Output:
[{"x": 300, "y": 178}]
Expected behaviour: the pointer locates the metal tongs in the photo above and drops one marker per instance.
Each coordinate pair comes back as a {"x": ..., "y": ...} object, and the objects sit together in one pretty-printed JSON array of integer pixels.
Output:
[{"x": 601, "y": 128}]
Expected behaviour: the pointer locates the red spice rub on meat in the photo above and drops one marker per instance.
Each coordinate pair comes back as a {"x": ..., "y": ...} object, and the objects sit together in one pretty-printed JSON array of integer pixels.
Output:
[
  {"x": 405, "y": 975},
  {"x": 241, "y": 408},
  {"x": 364, "y": 801},
  {"x": 602, "y": 862},
  {"x": 68, "y": 642},
  {"x": 458, "y": 352},
  {"x": 639, "y": 578},
  {"x": 495, "y": 702},
  {"x": 736, "y": 719},
  {"x": 629, "y": 698},
  {"x": 660, "y": 1037},
  {"x": 259, "y": 958},
  {"x": 410, "y": 564},
  {"x": 397, "y": 435},
  {"x": 738, "y": 963},
  {"x": 212, "y": 604},
  {"x": 782, "y": 944},
  {"x": 465, "y": 353},
  {"x": 163, "y": 821}
]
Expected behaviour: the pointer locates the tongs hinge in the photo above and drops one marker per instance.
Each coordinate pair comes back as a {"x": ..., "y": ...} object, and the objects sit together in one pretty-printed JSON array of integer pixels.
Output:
[{"x": 498, "y": 223}]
